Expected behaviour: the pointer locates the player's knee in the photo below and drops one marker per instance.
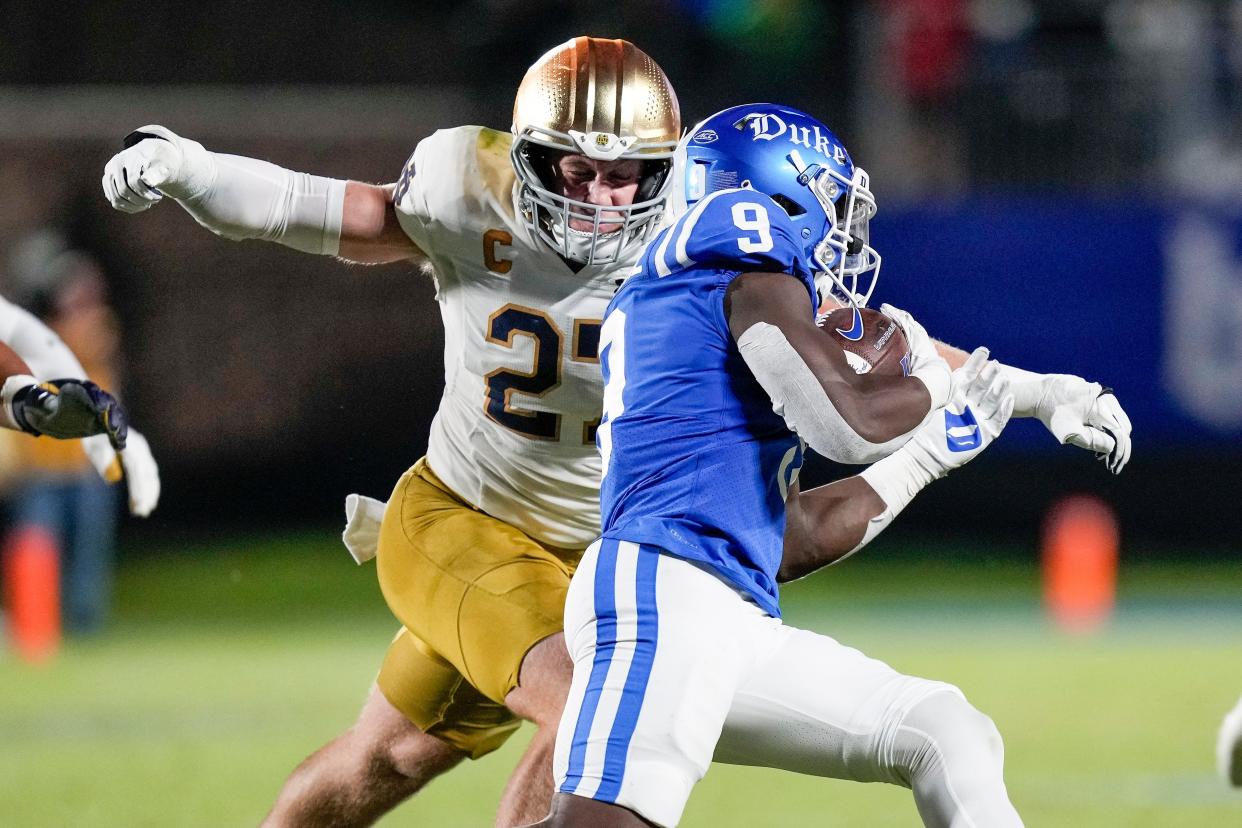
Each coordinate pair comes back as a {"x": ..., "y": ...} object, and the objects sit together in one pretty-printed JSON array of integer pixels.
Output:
[
  {"x": 981, "y": 746},
  {"x": 416, "y": 756},
  {"x": 397, "y": 752},
  {"x": 953, "y": 733}
]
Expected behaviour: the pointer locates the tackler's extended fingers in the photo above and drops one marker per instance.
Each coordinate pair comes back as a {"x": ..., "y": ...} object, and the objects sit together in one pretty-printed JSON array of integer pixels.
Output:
[
  {"x": 139, "y": 187},
  {"x": 1007, "y": 403},
  {"x": 975, "y": 362},
  {"x": 120, "y": 196},
  {"x": 1093, "y": 439}
]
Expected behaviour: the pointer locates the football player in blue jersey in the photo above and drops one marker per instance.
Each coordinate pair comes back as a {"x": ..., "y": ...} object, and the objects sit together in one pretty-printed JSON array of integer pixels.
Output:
[{"x": 715, "y": 378}]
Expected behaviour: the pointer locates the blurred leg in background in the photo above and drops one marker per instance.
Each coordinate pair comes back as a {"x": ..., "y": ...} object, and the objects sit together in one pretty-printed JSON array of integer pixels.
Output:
[
  {"x": 88, "y": 555},
  {"x": 1229, "y": 747},
  {"x": 79, "y": 514}
]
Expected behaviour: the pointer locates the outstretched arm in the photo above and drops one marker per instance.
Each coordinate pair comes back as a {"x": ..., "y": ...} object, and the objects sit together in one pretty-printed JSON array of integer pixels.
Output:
[
  {"x": 244, "y": 198},
  {"x": 76, "y": 408},
  {"x": 829, "y": 523},
  {"x": 66, "y": 408},
  {"x": 1076, "y": 411}
]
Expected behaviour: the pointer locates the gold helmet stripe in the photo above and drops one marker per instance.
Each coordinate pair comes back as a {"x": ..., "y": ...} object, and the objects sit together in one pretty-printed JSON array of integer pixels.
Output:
[
  {"x": 593, "y": 85},
  {"x": 606, "y": 100}
]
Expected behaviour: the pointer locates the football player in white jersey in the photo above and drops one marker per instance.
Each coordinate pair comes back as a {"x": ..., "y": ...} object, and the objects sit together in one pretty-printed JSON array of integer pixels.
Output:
[
  {"x": 489, "y": 526},
  {"x": 62, "y": 403},
  {"x": 527, "y": 235}
]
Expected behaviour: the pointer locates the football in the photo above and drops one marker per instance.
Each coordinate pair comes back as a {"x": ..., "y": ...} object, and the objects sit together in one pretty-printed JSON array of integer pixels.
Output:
[{"x": 879, "y": 347}]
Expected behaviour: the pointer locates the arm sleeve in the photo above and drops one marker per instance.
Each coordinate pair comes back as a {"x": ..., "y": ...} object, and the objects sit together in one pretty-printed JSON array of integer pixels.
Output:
[
  {"x": 253, "y": 199},
  {"x": 799, "y": 399},
  {"x": 47, "y": 356}
]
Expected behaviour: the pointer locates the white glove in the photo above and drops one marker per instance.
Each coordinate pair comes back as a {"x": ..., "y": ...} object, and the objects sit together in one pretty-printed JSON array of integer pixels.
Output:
[
  {"x": 156, "y": 157},
  {"x": 1229, "y": 747},
  {"x": 1077, "y": 412},
  {"x": 951, "y": 437},
  {"x": 135, "y": 463},
  {"x": 925, "y": 361},
  {"x": 976, "y": 415}
]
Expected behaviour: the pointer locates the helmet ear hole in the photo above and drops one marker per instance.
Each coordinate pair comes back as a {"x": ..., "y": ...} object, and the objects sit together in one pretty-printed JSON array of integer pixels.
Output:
[{"x": 790, "y": 206}]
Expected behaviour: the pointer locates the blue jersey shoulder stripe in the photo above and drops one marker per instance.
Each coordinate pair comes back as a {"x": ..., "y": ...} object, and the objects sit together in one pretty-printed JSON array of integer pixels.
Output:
[{"x": 682, "y": 230}]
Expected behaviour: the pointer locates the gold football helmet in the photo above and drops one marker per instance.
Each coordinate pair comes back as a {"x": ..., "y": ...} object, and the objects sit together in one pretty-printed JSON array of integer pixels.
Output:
[{"x": 607, "y": 100}]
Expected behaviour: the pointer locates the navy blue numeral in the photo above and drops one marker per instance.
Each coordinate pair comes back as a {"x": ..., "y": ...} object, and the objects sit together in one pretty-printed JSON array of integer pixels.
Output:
[
  {"x": 500, "y": 384},
  {"x": 403, "y": 183}
]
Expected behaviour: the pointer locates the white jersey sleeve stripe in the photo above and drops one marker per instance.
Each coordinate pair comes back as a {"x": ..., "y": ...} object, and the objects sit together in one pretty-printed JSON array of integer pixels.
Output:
[
  {"x": 687, "y": 227},
  {"x": 662, "y": 268}
]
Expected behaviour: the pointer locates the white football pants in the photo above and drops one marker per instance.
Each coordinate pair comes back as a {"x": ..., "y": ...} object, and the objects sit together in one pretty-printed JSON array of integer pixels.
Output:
[{"x": 673, "y": 668}]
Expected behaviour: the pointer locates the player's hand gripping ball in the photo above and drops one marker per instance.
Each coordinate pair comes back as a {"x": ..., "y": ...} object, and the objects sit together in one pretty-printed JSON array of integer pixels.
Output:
[{"x": 873, "y": 343}]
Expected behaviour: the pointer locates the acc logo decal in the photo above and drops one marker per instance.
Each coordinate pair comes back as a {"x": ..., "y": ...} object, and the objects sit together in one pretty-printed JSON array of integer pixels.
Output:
[
  {"x": 961, "y": 431},
  {"x": 706, "y": 136}
]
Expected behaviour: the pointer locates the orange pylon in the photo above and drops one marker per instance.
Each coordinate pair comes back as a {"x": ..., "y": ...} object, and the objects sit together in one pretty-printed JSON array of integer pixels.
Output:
[
  {"x": 32, "y": 593},
  {"x": 1080, "y": 563}
]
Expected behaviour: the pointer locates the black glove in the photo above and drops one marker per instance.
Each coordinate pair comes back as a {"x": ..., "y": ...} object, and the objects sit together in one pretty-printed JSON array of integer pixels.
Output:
[{"x": 70, "y": 408}]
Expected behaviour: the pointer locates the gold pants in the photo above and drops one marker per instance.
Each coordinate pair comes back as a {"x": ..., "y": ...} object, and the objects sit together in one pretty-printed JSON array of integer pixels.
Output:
[{"x": 475, "y": 595}]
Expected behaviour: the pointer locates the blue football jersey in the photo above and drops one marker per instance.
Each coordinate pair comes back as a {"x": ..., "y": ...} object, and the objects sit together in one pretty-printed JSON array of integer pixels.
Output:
[{"x": 695, "y": 460}]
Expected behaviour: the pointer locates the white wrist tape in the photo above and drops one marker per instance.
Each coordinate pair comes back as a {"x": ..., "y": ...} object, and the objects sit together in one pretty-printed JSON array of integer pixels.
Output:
[
  {"x": 10, "y": 388},
  {"x": 896, "y": 479},
  {"x": 801, "y": 401},
  {"x": 251, "y": 199}
]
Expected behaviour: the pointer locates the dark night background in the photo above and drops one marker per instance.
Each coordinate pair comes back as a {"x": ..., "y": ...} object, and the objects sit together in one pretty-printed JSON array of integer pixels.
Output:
[{"x": 1060, "y": 181}]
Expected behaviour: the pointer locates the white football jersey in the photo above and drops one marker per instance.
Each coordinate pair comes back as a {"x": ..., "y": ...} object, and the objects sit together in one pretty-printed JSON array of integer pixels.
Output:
[{"x": 515, "y": 431}]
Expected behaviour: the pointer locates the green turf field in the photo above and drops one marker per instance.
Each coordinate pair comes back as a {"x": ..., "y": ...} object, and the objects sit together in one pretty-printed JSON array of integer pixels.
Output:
[{"x": 229, "y": 663}]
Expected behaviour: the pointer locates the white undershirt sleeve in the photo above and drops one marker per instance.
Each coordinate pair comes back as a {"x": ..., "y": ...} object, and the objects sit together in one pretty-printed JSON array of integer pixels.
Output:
[
  {"x": 47, "y": 356},
  {"x": 252, "y": 199},
  {"x": 801, "y": 401},
  {"x": 42, "y": 350}
]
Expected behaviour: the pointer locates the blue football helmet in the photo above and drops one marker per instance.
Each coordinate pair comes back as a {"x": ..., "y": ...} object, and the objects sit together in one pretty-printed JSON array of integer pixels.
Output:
[{"x": 803, "y": 167}]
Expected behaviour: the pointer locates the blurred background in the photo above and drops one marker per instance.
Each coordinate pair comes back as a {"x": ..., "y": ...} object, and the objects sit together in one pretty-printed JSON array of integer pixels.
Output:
[{"x": 1061, "y": 181}]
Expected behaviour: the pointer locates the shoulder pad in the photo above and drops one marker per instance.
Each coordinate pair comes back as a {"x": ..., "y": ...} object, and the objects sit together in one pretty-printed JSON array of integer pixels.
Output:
[
  {"x": 453, "y": 177},
  {"x": 739, "y": 229}
]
